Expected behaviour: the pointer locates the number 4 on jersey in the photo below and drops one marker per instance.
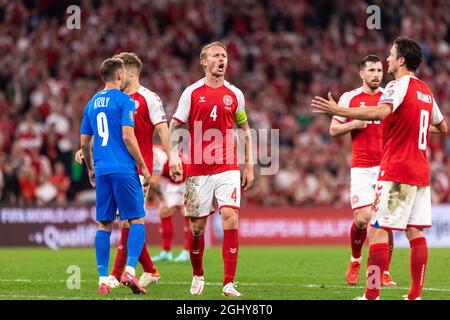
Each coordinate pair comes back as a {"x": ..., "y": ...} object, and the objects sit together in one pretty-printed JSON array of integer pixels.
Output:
[{"x": 214, "y": 113}]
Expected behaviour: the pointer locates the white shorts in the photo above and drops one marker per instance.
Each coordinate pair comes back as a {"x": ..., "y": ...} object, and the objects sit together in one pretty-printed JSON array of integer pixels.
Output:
[
  {"x": 203, "y": 191},
  {"x": 399, "y": 205},
  {"x": 173, "y": 193},
  {"x": 362, "y": 186}
]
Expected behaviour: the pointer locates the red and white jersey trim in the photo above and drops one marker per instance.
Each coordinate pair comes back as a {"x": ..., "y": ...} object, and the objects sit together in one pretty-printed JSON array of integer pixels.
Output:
[
  {"x": 396, "y": 91},
  {"x": 184, "y": 104},
  {"x": 344, "y": 102},
  {"x": 155, "y": 107}
]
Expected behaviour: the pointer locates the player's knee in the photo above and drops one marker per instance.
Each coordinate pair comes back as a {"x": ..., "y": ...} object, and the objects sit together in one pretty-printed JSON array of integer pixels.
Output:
[
  {"x": 377, "y": 235},
  {"x": 197, "y": 230},
  {"x": 230, "y": 220},
  {"x": 166, "y": 212},
  {"x": 362, "y": 218},
  {"x": 124, "y": 224},
  {"x": 136, "y": 221},
  {"x": 413, "y": 233},
  {"x": 361, "y": 223},
  {"x": 105, "y": 225}
]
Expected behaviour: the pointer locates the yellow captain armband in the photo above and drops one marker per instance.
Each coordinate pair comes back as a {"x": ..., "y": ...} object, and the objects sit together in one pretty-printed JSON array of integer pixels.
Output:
[{"x": 240, "y": 117}]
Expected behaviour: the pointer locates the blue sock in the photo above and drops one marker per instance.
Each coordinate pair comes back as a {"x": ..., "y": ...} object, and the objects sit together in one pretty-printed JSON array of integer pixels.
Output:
[
  {"x": 102, "y": 246},
  {"x": 136, "y": 238}
]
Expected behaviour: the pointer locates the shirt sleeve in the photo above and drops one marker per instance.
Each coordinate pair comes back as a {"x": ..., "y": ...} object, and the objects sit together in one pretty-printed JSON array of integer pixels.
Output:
[
  {"x": 395, "y": 93},
  {"x": 86, "y": 127},
  {"x": 159, "y": 160},
  {"x": 436, "y": 115},
  {"x": 240, "y": 115},
  {"x": 184, "y": 107},
  {"x": 344, "y": 102},
  {"x": 128, "y": 111},
  {"x": 156, "y": 110}
]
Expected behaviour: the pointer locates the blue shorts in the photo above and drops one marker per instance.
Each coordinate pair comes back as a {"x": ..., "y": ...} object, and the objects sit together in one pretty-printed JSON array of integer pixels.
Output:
[{"x": 119, "y": 191}]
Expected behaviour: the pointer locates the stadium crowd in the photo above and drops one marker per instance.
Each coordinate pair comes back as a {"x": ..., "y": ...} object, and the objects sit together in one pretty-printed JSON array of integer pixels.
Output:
[{"x": 281, "y": 54}]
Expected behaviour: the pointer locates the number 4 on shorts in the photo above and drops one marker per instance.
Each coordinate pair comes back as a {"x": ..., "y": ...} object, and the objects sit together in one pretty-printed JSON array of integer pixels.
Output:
[{"x": 234, "y": 195}]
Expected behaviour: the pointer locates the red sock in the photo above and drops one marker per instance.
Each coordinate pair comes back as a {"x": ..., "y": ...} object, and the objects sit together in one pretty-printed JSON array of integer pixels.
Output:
[
  {"x": 376, "y": 265},
  {"x": 186, "y": 232},
  {"x": 167, "y": 233},
  {"x": 418, "y": 265},
  {"x": 197, "y": 246},
  {"x": 357, "y": 236},
  {"x": 145, "y": 260},
  {"x": 230, "y": 248},
  {"x": 122, "y": 254},
  {"x": 391, "y": 248}
]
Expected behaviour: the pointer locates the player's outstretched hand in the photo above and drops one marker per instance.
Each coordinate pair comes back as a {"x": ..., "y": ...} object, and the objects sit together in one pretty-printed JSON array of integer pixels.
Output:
[
  {"x": 92, "y": 178},
  {"x": 147, "y": 177},
  {"x": 321, "y": 105},
  {"x": 79, "y": 156},
  {"x": 248, "y": 177},
  {"x": 175, "y": 167}
]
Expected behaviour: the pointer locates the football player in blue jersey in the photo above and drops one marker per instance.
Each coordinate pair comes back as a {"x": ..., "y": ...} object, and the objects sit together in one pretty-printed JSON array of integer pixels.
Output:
[{"x": 111, "y": 152}]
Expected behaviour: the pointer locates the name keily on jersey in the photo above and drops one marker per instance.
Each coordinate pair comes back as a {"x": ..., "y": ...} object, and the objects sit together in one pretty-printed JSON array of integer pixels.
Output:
[{"x": 101, "y": 102}]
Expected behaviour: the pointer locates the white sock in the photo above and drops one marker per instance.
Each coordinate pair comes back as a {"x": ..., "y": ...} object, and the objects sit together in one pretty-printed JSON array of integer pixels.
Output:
[
  {"x": 130, "y": 270},
  {"x": 102, "y": 280},
  {"x": 356, "y": 259}
]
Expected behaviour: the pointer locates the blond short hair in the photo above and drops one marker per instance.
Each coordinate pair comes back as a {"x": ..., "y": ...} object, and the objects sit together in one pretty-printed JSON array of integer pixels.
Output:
[
  {"x": 130, "y": 59},
  {"x": 209, "y": 45}
]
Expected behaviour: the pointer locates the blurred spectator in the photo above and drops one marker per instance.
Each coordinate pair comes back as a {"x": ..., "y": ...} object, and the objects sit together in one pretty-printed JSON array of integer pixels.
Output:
[
  {"x": 46, "y": 192},
  {"x": 61, "y": 182},
  {"x": 281, "y": 54},
  {"x": 28, "y": 182}
]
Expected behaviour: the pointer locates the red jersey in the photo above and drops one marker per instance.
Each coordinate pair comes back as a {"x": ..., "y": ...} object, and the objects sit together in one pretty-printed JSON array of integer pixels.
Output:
[
  {"x": 210, "y": 114},
  {"x": 366, "y": 142},
  {"x": 405, "y": 131},
  {"x": 149, "y": 113}
]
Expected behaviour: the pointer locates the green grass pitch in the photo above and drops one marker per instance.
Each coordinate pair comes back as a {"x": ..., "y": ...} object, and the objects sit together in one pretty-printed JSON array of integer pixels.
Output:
[{"x": 269, "y": 273}]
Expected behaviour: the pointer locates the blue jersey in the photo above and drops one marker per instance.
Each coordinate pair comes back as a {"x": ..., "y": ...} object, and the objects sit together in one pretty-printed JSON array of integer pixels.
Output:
[{"x": 103, "y": 117}]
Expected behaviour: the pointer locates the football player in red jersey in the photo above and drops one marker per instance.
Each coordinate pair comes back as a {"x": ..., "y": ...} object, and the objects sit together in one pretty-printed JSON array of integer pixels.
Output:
[
  {"x": 403, "y": 202},
  {"x": 169, "y": 202},
  {"x": 149, "y": 116},
  {"x": 210, "y": 107},
  {"x": 366, "y": 155}
]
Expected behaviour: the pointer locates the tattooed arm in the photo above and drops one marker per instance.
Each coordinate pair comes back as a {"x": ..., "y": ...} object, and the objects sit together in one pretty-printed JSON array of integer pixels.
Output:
[
  {"x": 175, "y": 164},
  {"x": 246, "y": 138}
]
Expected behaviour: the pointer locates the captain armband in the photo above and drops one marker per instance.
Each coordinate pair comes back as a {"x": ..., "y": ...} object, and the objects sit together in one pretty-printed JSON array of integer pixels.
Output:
[{"x": 240, "y": 117}]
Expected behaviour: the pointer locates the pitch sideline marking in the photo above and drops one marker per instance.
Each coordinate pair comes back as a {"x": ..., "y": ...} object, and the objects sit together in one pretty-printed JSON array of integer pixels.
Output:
[{"x": 250, "y": 284}]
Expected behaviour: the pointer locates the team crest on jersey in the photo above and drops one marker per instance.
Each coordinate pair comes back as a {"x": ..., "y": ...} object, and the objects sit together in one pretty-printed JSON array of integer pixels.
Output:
[
  {"x": 136, "y": 104},
  {"x": 227, "y": 100}
]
